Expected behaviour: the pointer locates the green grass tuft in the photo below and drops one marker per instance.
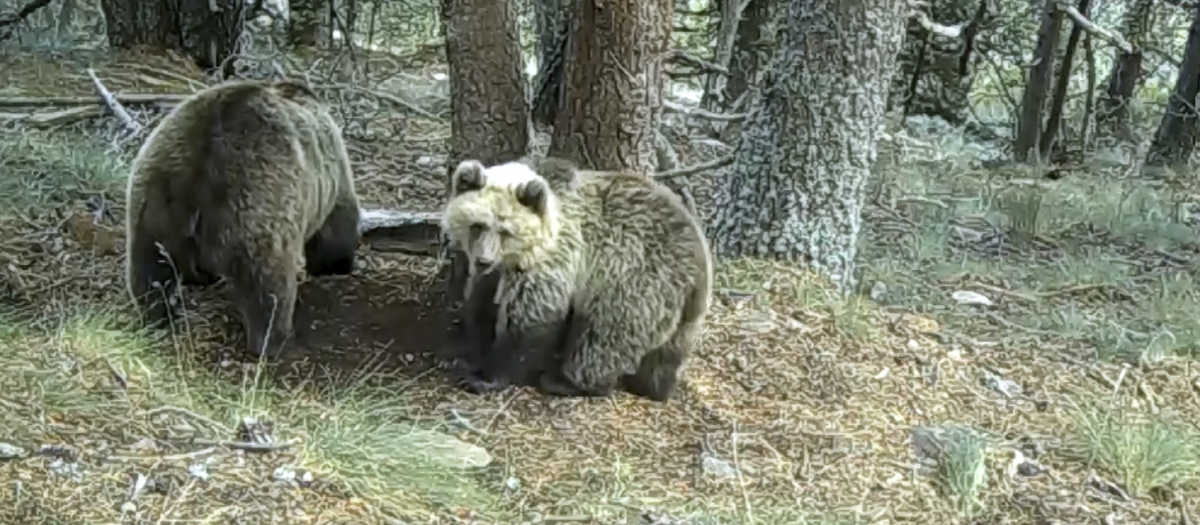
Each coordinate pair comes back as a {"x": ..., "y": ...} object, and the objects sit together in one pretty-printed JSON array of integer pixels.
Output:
[
  {"x": 1144, "y": 453},
  {"x": 41, "y": 169}
]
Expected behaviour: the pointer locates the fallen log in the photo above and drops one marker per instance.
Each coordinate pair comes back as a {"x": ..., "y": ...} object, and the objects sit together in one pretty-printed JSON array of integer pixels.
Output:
[{"x": 412, "y": 233}]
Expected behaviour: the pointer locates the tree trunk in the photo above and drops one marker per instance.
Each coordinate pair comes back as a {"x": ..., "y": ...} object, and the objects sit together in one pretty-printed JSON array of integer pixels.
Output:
[
  {"x": 936, "y": 72},
  {"x": 1047, "y": 141},
  {"x": 731, "y": 11},
  {"x": 796, "y": 188},
  {"x": 189, "y": 27},
  {"x": 553, "y": 21},
  {"x": 490, "y": 115},
  {"x": 751, "y": 53},
  {"x": 1176, "y": 136},
  {"x": 1126, "y": 71},
  {"x": 1029, "y": 126},
  {"x": 614, "y": 81},
  {"x": 305, "y": 28}
]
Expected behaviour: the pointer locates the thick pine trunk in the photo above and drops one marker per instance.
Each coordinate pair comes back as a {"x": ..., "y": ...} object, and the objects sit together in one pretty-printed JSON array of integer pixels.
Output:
[
  {"x": 613, "y": 84},
  {"x": 1029, "y": 126},
  {"x": 553, "y": 21},
  {"x": 796, "y": 188},
  {"x": 490, "y": 119},
  {"x": 1176, "y": 137},
  {"x": 305, "y": 22},
  {"x": 190, "y": 27}
]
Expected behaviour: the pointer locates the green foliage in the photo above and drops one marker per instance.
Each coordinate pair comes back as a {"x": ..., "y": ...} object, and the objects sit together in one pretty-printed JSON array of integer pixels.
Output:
[{"x": 1145, "y": 453}]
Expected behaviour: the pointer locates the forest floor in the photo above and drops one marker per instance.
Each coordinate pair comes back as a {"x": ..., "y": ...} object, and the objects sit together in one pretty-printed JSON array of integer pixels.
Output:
[{"x": 1070, "y": 397}]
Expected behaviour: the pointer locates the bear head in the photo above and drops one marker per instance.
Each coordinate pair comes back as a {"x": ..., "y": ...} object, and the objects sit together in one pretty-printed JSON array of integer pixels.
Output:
[{"x": 505, "y": 215}]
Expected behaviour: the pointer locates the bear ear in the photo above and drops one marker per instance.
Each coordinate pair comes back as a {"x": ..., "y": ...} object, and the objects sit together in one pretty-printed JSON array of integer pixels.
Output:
[
  {"x": 468, "y": 176},
  {"x": 534, "y": 195}
]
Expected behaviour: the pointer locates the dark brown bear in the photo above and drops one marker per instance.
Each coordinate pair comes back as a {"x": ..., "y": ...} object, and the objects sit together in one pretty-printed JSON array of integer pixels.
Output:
[{"x": 247, "y": 181}]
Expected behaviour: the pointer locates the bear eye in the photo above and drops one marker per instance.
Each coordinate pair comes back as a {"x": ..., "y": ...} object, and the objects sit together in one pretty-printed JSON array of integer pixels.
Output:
[{"x": 477, "y": 229}]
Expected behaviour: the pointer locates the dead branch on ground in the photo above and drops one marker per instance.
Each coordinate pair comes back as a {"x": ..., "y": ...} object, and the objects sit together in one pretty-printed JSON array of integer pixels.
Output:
[
  {"x": 919, "y": 9},
  {"x": 130, "y": 99},
  {"x": 19, "y": 16},
  {"x": 113, "y": 105}
]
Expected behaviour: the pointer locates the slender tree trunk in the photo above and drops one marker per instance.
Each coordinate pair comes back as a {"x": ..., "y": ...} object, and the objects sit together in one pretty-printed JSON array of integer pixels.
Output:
[
  {"x": 1089, "y": 106},
  {"x": 613, "y": 84},
  {"x": 1176, "y": 136},
  {"x": 935, "y": 72},
  {"x": 796, "y": 188},
  {"x": 191, "y": 28},
  {"x": 553, "y": 21},
  {"x": 490, "y": 120},
  {"x": 727, "y": 31},
  {"x": 305, "y": 22},
  {"x": 1126, "y": 70},
  {"x": 751, "y": 53},
  {"x": 1060, "y": 87},
  {"x": 1029, "y": 126}
]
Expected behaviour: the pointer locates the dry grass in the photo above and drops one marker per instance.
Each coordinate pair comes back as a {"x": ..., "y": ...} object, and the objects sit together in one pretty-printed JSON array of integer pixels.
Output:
[{"x": 1071, "y": 399}]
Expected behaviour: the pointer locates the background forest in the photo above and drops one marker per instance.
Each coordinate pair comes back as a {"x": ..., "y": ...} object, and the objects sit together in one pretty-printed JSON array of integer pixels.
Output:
[{"x": 956, "y": 240}]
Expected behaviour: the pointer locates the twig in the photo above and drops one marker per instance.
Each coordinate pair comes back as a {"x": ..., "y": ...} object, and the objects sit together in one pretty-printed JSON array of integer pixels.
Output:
[
  {"x": 390, "y": 98},
  {"x": 1094, "y": 29},
  {"x": 111, "y": 102},
  {"x": 1006, "y": 292},
  {"x": 246, "y": 445},
  {"x": 672, "y": 107},
  {"x": 692, "y": 170},
  {"x": 685, "y": 58},
  {"x": 188, "y": 413},
  {"x": 13, "y": 18},
  {"x": 173, "y": 457}
]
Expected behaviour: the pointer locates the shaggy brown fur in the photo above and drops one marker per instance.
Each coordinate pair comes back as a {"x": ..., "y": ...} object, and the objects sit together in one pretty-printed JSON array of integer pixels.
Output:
[
  {"x": 241, "y": 181},
  {"x": 610, "y": 270}
]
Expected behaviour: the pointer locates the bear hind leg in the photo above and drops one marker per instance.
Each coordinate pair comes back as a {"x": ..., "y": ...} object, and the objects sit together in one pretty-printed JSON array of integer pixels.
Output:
[
  {"x": 582, "y": 366},
  {"x": 332, "y": 250},
  {"x": 657, "y": 375},
  {"x": 264, "y": 291}
]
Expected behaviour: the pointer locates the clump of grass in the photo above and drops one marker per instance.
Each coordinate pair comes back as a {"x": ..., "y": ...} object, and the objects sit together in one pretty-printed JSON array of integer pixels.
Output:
[
  {"x": 1144, "y": 453},
  {"x": 41, "y": 168},
  {"x": 962, "y": 468},
  {"x": 87, "y": 370},
  {"x": 360, "y": 438}
]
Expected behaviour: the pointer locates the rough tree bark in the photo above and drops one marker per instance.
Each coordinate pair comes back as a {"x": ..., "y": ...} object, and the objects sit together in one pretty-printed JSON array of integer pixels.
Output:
[
  {"x": 1176, "y": 136},
  {"x": 1113, "y": 117},
  {"x": 1047, "y": 141},
  {"x": 490, "y": 115},
  {"x": 613, "y": 85},
  {"x": 936, "y": 72},
  {"x": 1029, "y": 125},
  {"x": 190, "y": 27},
  {"x": 796, "y": 188}
]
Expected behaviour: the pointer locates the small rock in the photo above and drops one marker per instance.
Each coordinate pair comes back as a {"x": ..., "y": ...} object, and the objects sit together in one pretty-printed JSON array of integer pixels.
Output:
[
  {"x": 759, "y": 323},
  {"x": 306, "y": 479},
  {"x": 967, "y": 297},
  {"x": 512, "y": 483},
  {"x": 878, "y": 291},
  {"x": 913, "y": 345},
  {"x": 424, "y": 160},
  {"x": 285, "y": 473},
  {"x": 198, "y": 470},
  {"x": 718, "y": 467},
  {"x": 450, "y": 451},
  {"x": 10, "y": 451}
]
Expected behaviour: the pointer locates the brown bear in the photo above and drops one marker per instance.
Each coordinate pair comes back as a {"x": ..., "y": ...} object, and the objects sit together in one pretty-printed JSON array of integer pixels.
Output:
[
  {"x": 241, "y": 181},
  {"x": 604, "y": 278}
]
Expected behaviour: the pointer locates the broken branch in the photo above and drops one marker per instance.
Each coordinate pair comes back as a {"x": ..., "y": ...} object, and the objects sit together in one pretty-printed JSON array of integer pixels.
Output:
[
  {"x": 672, "y": 107},
  {"x": 113, "y": 105},
  {"x": 684, "y": 58},
  {"x": 917, "y": 10},
  {"x": 692, "y": 170},
  {"x": 1094, "y": 29}
]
